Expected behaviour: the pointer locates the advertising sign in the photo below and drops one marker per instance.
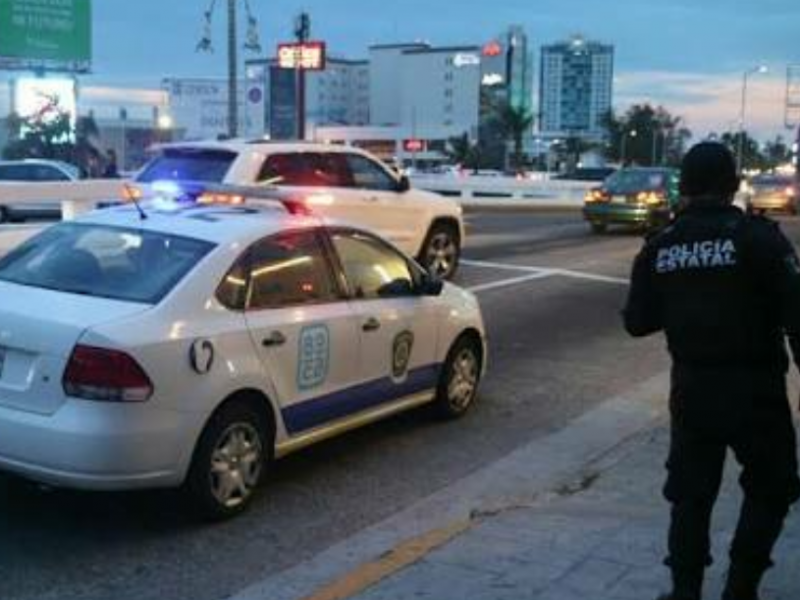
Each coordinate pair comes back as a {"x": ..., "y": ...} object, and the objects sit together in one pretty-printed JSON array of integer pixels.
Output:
[
  {"x": 49, "y": 34},
  {"x": 415, "y": 145},
  {"x": 282, "y": 104},
  {"x": 308, "y": 56},
  {"x": 200, "y": 108}
]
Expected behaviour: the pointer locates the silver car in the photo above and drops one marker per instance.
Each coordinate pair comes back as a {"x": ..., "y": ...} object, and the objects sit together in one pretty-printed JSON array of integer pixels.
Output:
[{"x": 34, "y": 171}]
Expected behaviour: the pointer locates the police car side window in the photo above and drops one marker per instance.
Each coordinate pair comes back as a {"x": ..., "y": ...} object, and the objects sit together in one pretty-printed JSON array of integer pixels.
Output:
[
  {"x": 289, "y": 269},
  {"x": 373, "y": 269}
]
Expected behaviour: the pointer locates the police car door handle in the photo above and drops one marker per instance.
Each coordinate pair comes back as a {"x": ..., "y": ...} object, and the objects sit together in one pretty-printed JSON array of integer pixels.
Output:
[
  {"x": 276, "y": 338},
  {"x": 371, "y": 325}
]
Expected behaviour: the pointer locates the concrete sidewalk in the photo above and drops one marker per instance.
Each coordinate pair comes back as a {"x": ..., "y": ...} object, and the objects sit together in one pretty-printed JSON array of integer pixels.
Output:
[{"x": 601, "y": 537}]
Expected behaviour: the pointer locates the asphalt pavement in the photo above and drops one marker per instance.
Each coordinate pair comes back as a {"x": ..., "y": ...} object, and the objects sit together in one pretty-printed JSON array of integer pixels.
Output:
[{"x": 551, "y": 294}]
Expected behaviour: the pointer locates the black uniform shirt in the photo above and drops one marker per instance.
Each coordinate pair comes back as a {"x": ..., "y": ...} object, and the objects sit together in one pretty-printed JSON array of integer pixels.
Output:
[{"x": 724, "y": 287}]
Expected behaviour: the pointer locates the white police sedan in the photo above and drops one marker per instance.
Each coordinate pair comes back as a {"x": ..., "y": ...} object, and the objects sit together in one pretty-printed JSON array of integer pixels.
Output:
[{"x": 189, "y": 345}]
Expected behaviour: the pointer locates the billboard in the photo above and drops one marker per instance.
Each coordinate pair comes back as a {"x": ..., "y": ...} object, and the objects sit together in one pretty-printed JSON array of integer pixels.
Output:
[
  {"x": 41, "y": 99},
  {"x": 46, "y": 34},
  {"x": 306, "y": 56},
  {"x": 282, "y": 104}
]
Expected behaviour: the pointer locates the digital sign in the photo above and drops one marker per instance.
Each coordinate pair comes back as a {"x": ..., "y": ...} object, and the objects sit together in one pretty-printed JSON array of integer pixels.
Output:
[
  {"x": 415, "y": 145},
  {"x": 307, "y": 56}
]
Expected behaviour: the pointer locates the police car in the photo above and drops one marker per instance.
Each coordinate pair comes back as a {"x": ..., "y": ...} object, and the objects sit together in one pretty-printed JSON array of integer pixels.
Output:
[
  {"x": 166, "y": 345},
  {"x": 334, "y": 181}
]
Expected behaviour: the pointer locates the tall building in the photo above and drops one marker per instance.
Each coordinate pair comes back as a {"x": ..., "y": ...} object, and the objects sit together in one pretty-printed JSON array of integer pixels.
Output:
[{"x": 576, "y": 88}]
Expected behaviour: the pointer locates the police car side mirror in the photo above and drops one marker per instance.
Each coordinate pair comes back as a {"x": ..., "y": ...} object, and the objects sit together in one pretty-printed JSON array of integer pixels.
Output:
[
  {"x": 431, "y": 285},
  {"x": 403, "y": 184}
]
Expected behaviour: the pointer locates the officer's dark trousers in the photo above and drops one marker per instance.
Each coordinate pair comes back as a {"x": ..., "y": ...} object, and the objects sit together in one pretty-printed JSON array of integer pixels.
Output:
[{"x": 746, "y": 410}]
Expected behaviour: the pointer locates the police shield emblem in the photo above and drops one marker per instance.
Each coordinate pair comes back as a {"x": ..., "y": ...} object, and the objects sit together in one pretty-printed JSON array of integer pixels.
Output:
[{"x": 401, "y": 354}]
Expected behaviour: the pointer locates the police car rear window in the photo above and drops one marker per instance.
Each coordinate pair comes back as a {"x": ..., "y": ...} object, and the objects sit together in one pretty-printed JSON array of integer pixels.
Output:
[
  {"x": 104, "y": 262},
  {"x": 631, "y": 181},
  {"x": 188, "y": 164}
]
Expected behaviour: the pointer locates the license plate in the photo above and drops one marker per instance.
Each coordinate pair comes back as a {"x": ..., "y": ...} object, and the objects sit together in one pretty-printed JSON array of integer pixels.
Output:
[
  {"x": 619, "y": 199},
  {"x": 2, "y": 360}
]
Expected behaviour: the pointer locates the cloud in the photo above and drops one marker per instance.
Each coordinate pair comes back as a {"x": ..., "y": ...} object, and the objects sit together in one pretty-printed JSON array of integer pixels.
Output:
[{"x": 709, "y": 102}]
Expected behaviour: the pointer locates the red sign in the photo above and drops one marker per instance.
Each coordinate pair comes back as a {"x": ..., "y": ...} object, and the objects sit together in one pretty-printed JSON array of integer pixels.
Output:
[
  {"x": 492, "y": 49},
  {"x": 309, "y": 56},
  {"x": 414, "y": 145}
]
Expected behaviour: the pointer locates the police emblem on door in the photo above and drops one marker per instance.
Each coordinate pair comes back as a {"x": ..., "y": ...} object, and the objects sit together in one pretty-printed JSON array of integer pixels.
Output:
[
  {"x": 401, "y": 354},
  {"x": 313, "y": 359}
]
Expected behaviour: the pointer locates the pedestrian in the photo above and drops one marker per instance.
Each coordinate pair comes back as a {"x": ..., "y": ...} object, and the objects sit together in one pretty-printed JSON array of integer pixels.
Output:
[
  {"x": 725, "y": 289},
  {"x": 112, "y": 169}
]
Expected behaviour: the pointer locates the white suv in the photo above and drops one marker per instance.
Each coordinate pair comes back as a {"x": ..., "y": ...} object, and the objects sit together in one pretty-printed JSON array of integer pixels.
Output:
[{"x": 341, "y": 182}]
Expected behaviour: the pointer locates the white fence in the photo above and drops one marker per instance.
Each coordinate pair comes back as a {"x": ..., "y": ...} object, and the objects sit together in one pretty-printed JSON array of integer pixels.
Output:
[{"x": 470, "y": 188}]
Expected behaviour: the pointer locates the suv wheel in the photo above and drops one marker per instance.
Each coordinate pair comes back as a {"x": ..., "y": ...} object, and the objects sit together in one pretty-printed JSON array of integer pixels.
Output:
[
  {"x": 442, "y": 251},
  {"x": 229, "y": 461},
  {"x": 599, "y": 227},
  {"x": 458, "y": 382}
]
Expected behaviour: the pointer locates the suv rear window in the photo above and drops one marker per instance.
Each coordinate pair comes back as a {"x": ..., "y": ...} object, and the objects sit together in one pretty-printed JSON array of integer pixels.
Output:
[
  {"x": 188, "y": 164},
  {"x": 104, "y": 262}
]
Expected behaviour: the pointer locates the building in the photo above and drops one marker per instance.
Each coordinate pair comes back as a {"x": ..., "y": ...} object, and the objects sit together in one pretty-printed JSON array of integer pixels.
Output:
[
  {"x": 576, "y": 88},
  {"x": 336, "y": 96}
]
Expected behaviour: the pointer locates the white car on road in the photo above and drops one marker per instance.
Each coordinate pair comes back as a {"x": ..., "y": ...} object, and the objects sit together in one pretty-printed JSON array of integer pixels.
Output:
[
  {"x": 191, "y": 347},
  {"x": 34, "y": 171},
  {"x": 334, "y": 181}
]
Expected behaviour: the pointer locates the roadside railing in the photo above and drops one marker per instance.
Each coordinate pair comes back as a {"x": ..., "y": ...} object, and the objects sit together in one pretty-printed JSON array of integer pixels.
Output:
[
  {"x": 468, "y": 187},
  {"x": 76, "y": 197}
]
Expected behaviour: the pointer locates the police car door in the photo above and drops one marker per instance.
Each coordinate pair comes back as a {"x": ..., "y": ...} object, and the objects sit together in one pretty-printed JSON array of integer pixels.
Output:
[
  {"x": 398, "y": 326},
  {"x": 301, "y": 327}
]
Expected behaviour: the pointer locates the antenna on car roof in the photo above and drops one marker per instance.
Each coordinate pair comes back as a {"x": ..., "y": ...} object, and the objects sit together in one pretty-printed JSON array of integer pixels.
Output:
[{"x": 133, "y": 194}]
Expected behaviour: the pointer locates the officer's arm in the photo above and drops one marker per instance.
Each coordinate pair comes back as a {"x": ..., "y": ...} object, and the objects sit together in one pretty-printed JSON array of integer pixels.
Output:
[
  {"x": 642, "y": 313},
  {"x": 783, "y": 268}
]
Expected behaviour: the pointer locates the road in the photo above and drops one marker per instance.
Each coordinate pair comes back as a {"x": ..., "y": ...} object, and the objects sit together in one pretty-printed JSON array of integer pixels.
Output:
[{"x": 551, "y": 294}]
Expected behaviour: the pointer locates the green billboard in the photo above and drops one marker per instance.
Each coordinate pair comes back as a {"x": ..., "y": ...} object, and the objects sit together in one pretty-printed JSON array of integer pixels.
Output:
[{"x": 53, "y": 34}]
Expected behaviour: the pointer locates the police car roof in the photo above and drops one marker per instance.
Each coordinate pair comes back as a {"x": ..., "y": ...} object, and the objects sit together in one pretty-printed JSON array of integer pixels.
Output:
[{"x": 213, "y": 223}]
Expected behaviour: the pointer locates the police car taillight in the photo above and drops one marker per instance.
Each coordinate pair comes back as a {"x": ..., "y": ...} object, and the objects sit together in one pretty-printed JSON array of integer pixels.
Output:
[{"x": 105, "y": 375}]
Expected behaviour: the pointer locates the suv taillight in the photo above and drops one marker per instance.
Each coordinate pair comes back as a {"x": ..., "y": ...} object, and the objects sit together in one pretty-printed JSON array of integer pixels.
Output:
[
  {"x": 105, "y": 375},
  {"x": 297, "y": 208}
]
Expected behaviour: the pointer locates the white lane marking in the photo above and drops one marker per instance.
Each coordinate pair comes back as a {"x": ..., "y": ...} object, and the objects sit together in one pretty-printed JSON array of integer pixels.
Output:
[
  {"x": 547, "y": 271},
  {"x": 509, "y": 282},
  {"x": 503, "y": 266}
]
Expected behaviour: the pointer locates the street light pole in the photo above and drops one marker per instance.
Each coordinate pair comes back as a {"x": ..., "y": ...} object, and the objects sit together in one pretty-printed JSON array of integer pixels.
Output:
[
  {"x": 633, "y": 133},
  {"x": 742, "y": 115},
  {"x": 233, "y": 87}
]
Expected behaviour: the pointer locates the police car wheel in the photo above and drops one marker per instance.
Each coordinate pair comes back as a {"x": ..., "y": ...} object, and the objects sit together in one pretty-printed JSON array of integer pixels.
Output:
[
  {"x": 229, "y": 461},
  {"x": 442, "y": 251},
  {"x": 458, "y": 383}
]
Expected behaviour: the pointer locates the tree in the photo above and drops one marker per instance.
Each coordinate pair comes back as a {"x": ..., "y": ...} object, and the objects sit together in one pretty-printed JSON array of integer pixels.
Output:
[
  {"x": 463, "y": 151},
  {"x": 752, "y": 158},
  {"x": 515, "y": 123},
  {"x": 645, "y": 135},
  {"x": 45, "y": 134},
  {"x": 777, "y": 152}
]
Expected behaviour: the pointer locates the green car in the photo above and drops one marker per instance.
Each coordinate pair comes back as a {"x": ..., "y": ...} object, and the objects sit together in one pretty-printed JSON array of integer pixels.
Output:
[{"x": 644, "y": 198}]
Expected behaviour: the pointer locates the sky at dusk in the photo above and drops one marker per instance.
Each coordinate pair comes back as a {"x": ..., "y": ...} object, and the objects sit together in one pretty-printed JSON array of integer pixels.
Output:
[{"x": 687, "y": 54}]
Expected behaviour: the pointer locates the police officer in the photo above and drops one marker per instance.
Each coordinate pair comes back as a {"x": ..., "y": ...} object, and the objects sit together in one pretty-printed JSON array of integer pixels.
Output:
[{"x": 725, "y": 289}]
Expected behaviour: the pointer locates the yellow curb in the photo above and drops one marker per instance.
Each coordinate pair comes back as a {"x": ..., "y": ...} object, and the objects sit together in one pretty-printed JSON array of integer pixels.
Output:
[{"x": 396, "y": 559}]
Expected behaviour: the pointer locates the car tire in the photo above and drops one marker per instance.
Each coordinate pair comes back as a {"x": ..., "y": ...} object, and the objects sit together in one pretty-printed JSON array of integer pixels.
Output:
[
  {"x": 5, "y": 215},
  {"x": 229, "y": 461},
  {"x": 599, "y": 228},
  {"x": 459, "y": 379},
  {"x": 441, "y": 251}
]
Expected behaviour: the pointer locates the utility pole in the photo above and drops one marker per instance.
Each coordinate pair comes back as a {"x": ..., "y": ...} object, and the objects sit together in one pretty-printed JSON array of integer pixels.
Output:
[
  {"x": 302, "y": 31},
  {"x": 233, "y": 72},
  {"x": 251, "y": 43}
]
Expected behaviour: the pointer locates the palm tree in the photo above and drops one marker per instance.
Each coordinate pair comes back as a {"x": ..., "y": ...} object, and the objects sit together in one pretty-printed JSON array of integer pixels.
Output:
[
  {"x": 463, "y": 151},
  {"x": 515, "y": 123}
]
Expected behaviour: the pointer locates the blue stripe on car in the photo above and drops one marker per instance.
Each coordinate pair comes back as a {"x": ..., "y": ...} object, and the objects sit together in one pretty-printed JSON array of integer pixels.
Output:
[{"x": 318, "y": 411}]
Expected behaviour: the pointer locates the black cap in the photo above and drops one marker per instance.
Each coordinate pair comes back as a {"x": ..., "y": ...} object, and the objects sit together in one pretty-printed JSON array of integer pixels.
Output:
[{"x": 709, "y": 169}]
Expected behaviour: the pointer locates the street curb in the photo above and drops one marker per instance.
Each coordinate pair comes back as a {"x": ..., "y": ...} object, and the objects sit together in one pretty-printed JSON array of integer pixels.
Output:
[{"x": 527, "y": 475}]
